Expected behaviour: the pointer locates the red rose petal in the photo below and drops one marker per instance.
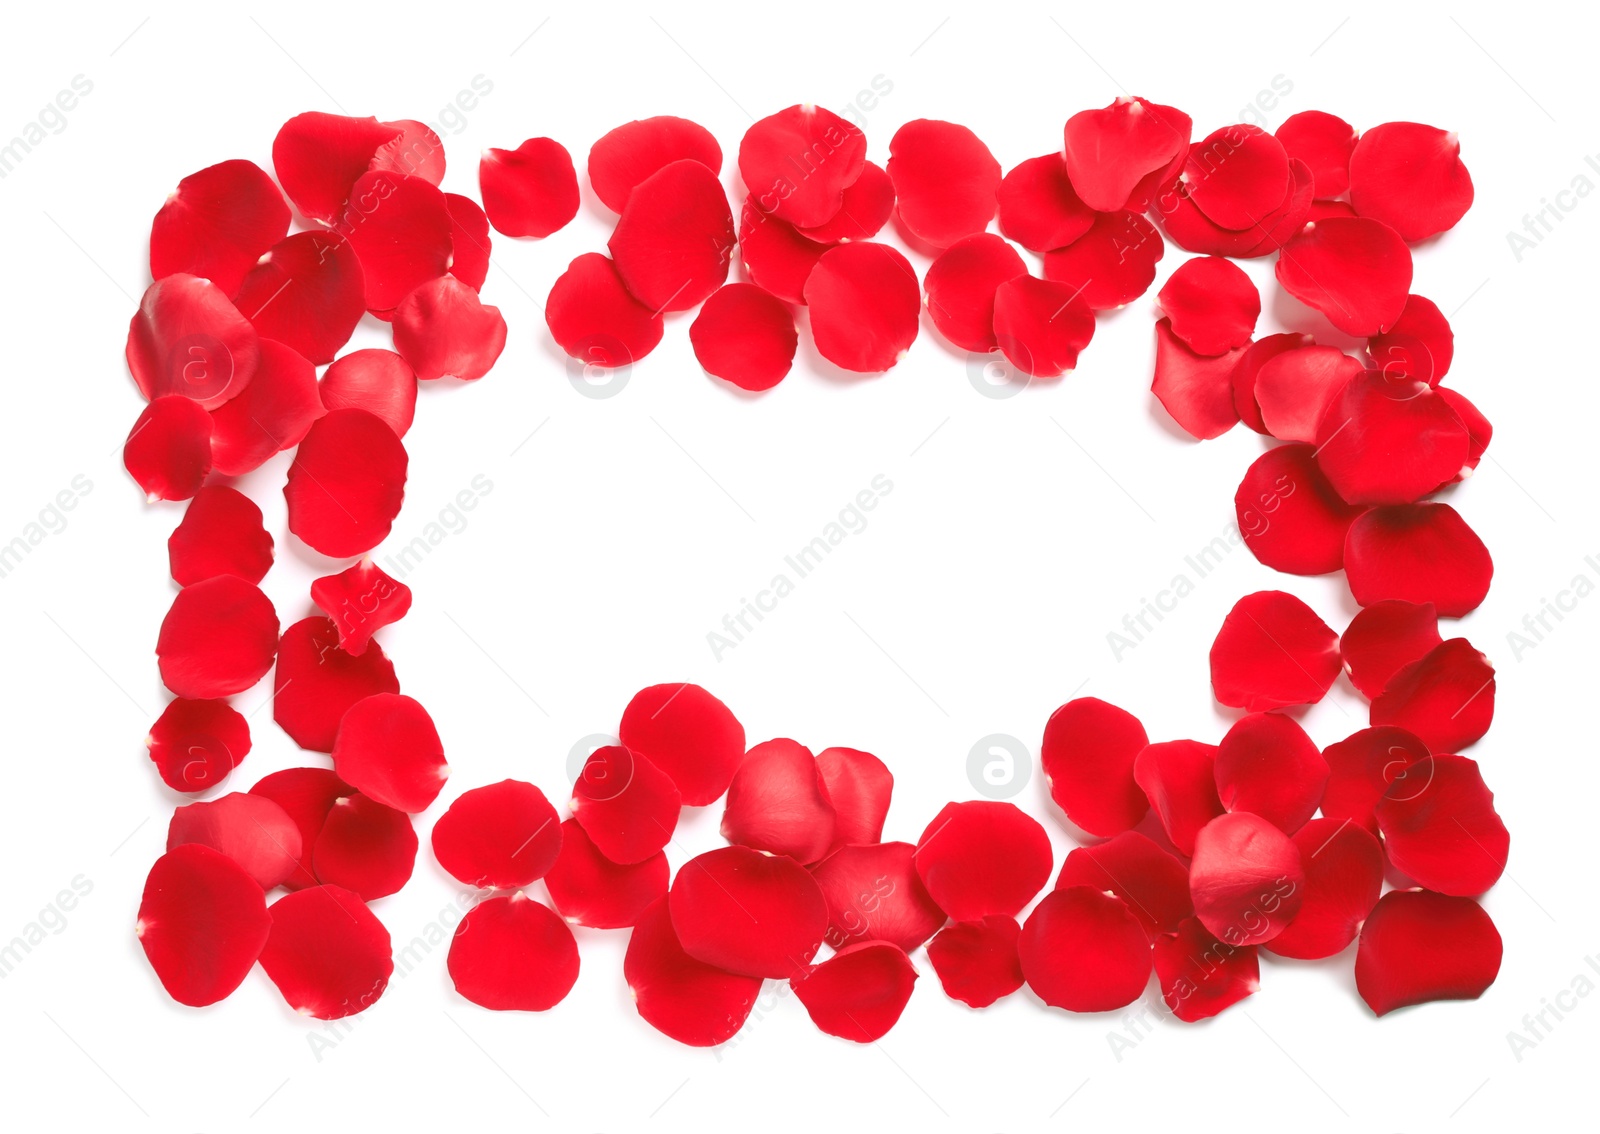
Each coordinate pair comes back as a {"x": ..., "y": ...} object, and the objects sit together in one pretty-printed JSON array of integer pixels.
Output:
[
  {"x": 1417, "y": 947},
  {"x": 251, "y": 830},
  {"x": 1268, "y": 766},
  {"x": 378, "y": 381},
  {"x": 776, "y": 803},
  {"x": 1179, "y": 778},
  {"x": 308, "y": 292},
  {"x": 217, "y": 224},
  {"x": 1355, "y": 271},
  {"x": 361, "y": 601},
  {"x": 389, "y": 750},
  {"x": 418, "y": 151},
  {"x": 319, "y": 157},
  {"x": 1344, "y": 873},
  {"x": 274, "y": 413},
  {"x": 529, "y": 191},
  {"x": 1041, "y": 325},
  {"x": 746, "y": 336},
  {"x": 1088, "y": 753},
  {"x": 202, "y": 922},
  {"x": 1237, "y": 175},
  {"x": 747, "y": 912},
  {"x": 626, "y": 804},
  {"x": 1246, "y": 879},
  {"x": 220, "y": 534},
  {"x": 594, "y": 319},
  {"x": 1190, "y": 228},
  {"x": 328, "y": 953},
  {"x": 1284, "y": 223},
  {"x": 635, "y": 150},
  {"x": 306, "y": 796},
  {"x": 1211, "y": 305},
  {"x": 1324, "y": 142},
  {"x": 503, "y": 836},
  {"x": 1084, "y": 951},
  {"x": 1273, "y": 651},
  {"x": 346, "y": 483},
  {"x": 1108, "y": 152},
  {"x": 1387, "y": 440},
  {"x": 961, "y": 285},
  {"x": 400, "y": 228},
  {"x": 168, "y": 451},
  {"x": 470, "y": 242},
  {"x": 443, "y": 331},
  {"x": 1322, "y": 210},
  {"x": 217, "y": 639},
  {"x": 864, "y": 304},
  {"x": 1479, "y": 429},
  {"x": 1294, "y": 389},
  {"x": 1038, "y": 206},
  {"x": 776, "y": 257},
  {"x": 1112, "y": 264},
  {"x": 690, "y": 1001},
  {"x": 1200, "y": 976},
  {"x": 1195, "y": 390},
  {"x": 195, "y": 744},
  {"x": 1446, "y": 697},
  {"x": 859, "y": 786},
  {"x": 1360, "y": 769},
  {"x": 798, "y": 162},
  {"x": 868, "y": 204},
  {"x": 366, "y": 847},
  {"x": 186, "y": 338},
  {"x": 512, "y": 954},
  {"x": 945, "y": 180},
  {"x": 587, "y": 888},
  {"x": 1384, "y": 637},
  {"x": 1420, "y": 345},
  {"x": 1289, "y": 515},
  {"x": 1153, "y": 883},
  {"x": 317, "y": 681},
  {"x": 983, "y": 857},
  {"x": 1419, "y": 553},
  {"x": 1248, "y": 368},
  {"x": 688, "y": 734},
  {"x": 675, "y": 238},
  {"x": 874, "y": 894},
  {"x": 977, "y": 961},
  {"x": 858, "y": 993},
  {"x": 1410, "y": 177}
]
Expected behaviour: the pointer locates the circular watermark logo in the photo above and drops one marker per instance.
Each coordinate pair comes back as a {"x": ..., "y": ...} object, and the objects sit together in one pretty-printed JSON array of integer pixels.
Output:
[
  {"x": 200, "y": 367},
  {"x": 601, "y": 368},
  {"x": 995, "y": 376},
  {"x": 582, "y": 749},
  {"x": 999, "y": 766}
]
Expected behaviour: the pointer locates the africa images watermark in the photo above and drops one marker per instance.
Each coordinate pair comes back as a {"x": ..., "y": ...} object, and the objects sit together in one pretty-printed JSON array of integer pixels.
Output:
[
  {"x": 1537, "y": 225},
  {"x": 51, "y": 119},
  {"x": 451, "y": 520},
  {"x": 51, "y": 520},
  {"x": 51, "y": 921},
  {"x": 1540, "y": 623},
  {"x": 1539, "y": 1026}
]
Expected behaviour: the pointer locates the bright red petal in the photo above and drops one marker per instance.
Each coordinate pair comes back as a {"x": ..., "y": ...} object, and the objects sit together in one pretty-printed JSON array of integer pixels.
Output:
[
  {"x": 587, "y": 888},
  {"x": 1386, "y": 440},
  {"x": 195, "y": 744},
  {"x": 470, "y": 242},
  {"x": 983, "y": 857},
  {"x": 250, "y": 829},
  {"x": 328, "y": 954},
  {"x": 864, "y": 304},
  {"x": 1419, "y": 553},
  {"x": 1200, "y": 976},
  {"x": 1290, "y": 516},
  {"x": 868, "y": 205},
  {"x": 858, "y": 993},
  {"x": 1294, "y": 389},
  {"x": 1211, "y": 305},
  {"x": 202, "y": 922},
  {"x": 688, "y": 1000},
  {"x": 1237, "y": 175},
  {"x": 1247, "y": 879},
  {"x": 776, "y": 803},
  {"x": 1108, "y": 152},
  {"x": 1268, "y": 766},
  {"x": 217, "y": 639},
  {"x": 1041, "y": 325},
  {"x": 1088, "y": 753},
  {"x": 1383, "y": 638},
  {"x": 389, "y": 750},
  {"x": 274, "y": 413},
  {"x": 187, "y": 338},
  {"x": 306, "y": 796},
  {"x": 361, "y": 601},
  {"x": 1324, "y": 142},
  {"x": 308, "y": 292},
  {"x": 1440, "y": 827},
  {"x": 319, "y": 157},
  {"x": 1112, "y": 264},
  {"x": 512, "y": 954},
  {"x": 635, "y": 150},
  {"x": 977, "y": 961},
  {"x": 418, "y": 151},
  {"x": 1196, "y": 390},
  {"x": 317, "y": 681},
  {"x": 529, "y": 191},
  {"x": 168, "y": 451},
  {"x": 220, "y": 534},
  {"x": 776, "y": 257},
  {"x": 1084, "y": 951},
  {"x": 1360, "y": 769},
  {"x": 859, "y": 785},
  {"x": 443, "y": 331},
  {"x": 874, "y": 894},
  {"x": 500, "y": 837},
  {"x": 1356, "y": 271},
  {"x": 1417, "y": 947},
  {"x": 1273, "y": 651},
  {"x": 217, "y": 224},
  {"x": 674, "y": 241},
  {"x": 378, "y": 381},
  {"x": 746, "y": 336},
  {"x": 1344, "y": 873},
  {"x": 798, "y": 162},
  {"x": 401, "y": 230},
  {"x": 626, "y": 804},
  {"x": 1179, "y": 778},
  {"x": 1248, "y": 368},
  {"x": 748, "y": 912},
  {"x": 945, "y": 180},
  {"x": 688, "y": 734},
  {"x": 366, "y": 847},
  {"x": 1410, "y": 177},
  {"x": 1420, "y": 345},
  {"x": 1038, "y": 206},
  {"x": 346, "y": 483},
  {"x": 961, "y": 285},
  {"x": 594, "y": 319},
  {"x": 1153, "y": 883}
]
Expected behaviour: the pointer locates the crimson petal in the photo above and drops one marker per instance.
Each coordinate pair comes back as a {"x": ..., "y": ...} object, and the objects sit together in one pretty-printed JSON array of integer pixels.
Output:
[
  {"x": 187, "y": 338},
  {"x": 218, "y": 223},
  {"x": 1420, "y": 345},
  {"x": 1410, "y": 177},
  {"x": 529, "y": 191},
  {"x": 945, "y": 180},
  {"x": 864, "y": 304},
  {"x": 1196, "y": 390},
  {"x": 346, "y": 483},
  {"x": 1108, "y": 152},
  {"x": 512, "y": 954},
  {"x": 500, "y": 837},
  {"x": 587, "y": 888},
  {"x": 1356, "y": 271},
  {"x": 1038, "y": 206},
  {"x": 389, "y": 750},
  {"x": 1237, "y": 175},
  {"x": 688, "y": 1000},
  {"x": 594, "y": 319},
  {"x": 202, "y": 923},
  {"x": 868, "y": 204},
  {"x": 776, "y": 256},
  {"x": 308, "y": 292},
  {"x": 688, "y": 734},
  {"x": 1179, "y": 778},
  {"x": 1088, "y": 753},
  {"x": 626, "y": 804},
  {"x": 633, "y": 151},
  {"x": 798, "y": 162},
  {"x": 1247, "y": 879},
  {"x": 1419, "y": 553},
  {"x": 217, "y": 639},
  {"x": 318, "y": 158},
  {"x": 401, "y": 230},
  {"x": 250, "y": 829},
  {"x": 983, "y": 857},
  {"x": 1383, "y": 638},
  {"x": 858, "y": 993},
  {"x": 1290, "y": 516},
  {"x": 220, "y": 534},
  {"x": 859, "y": 786},
  {"x": 195, "y": 744},
  {"x": 1112, "y": 264},
  {"x": 747, "y": 912},
  {"x": 1153, "y": 883},
  {"x": 328, "y": 953},
  {"x": 317, "y": 681},
  {"x": 1360, "y": 769},
  {"x": 675, "y": 239},
  {"x": 776, "y": 803},
  {"x": 168, "y": 451},
  {"x": 1417, "y": 947},
  {"x": 365, "y": 846},
  {"x": 961, "y": 285},
  {"x": 306, "y": 796},
  {"x": 1267, "y": 765},
  {"x": 1440, "y": 827},
  {"x": 470, "y": 242},
  {"x": 1294, "y": 389},
  {"x": 746, "y": 336},
  {"x": 1212, "y": 305},
  {"x": 1083, "y": 950},
  {"x": 1389, "y": 440},
  {"x": 1248, "y": 368},
  {"x": 977, "y": 961},
  {"x": 874, "y": 894},
  {"x": 1272, "y": 652},
  {"x": 1200, "y": 976},
  {"x": 442, "y": 330},
  {"x": 1344, "y": 874},
  {"x": 1041, "y": 325},
  {"x": 378, "y": 381},
  {"x": 1324, "y": 142},
  {"x": 274, "y": 413},
  {"x": 361, "y": 601}
]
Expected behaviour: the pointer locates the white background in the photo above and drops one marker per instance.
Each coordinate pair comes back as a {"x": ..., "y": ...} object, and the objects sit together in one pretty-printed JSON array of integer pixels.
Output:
[{"x": 1019, "y": 533}]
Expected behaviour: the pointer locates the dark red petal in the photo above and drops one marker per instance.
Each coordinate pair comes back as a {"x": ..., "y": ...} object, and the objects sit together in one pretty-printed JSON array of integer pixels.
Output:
[
  {"x": 1410, "y": 177},
  {"x": 500, "y": 837},
  {"x": 1246, "y": 879},
  {"x": 983, "y": 857},
  {"x": 868, "y": 204},
  {"x": 317, "y": 681},
  {"x": 319, "y": 157},
  {"x": 945, "y": 180},
  {"x": 1248, "y": 368},
  {"x": 1268, "y": 766},
  {"x": 874, "y": 894},
  {"x": 1237, "y": 175},
  {"x": 977, "y": 961},
  {"x": 1344, "y": 873},
  {"x": 1109, "y": 151},
  {"x": 1479, "y": 429},
  {"x": 961, "y": 285},
  {"x": 1294, "y": 389},
  {"x": 195, "y": 744},
  {"x": 776, "y": 803},
  {"x": 366, "y": 847},
  {"x": 250, "y": 829},
  {"x": 1384, "y": 637},
  {"x": 274, "y": 413},
  {"x": 635, "y": 150},
  {"x": 858, "y": 993},
  {"x": 864, "y": 304},
  {"x": 306, "y": 796},
  {"x": 776, "y": 257},
  {"x": 688, "y": 734},
  {"x": 513, "y": 954},
  {"x": 1211, "y": 305},
  {"x": 1419, "y": 553},
  {"x": 1088, "y": 752},
  {"x": 1191, "y": 229},
  {"x": 1041, "y": 325},
  {"x": 168, "y": 451},
  {"x": 1112, "y": 264},
  {"x": 1360, "y": 769},
  {"x": 186, "y": 338},
  {"x": 218, "y": 223},
  {"x": 1420, "y": 345},
  {"x": 1440, "y": 827},
  {"x": 798, "y": 162},
  {"x": 389, "y": 750},
  {"x": 417, "y": 152},
  {"x": 587, "y": 888},
  {"x": 1284, "y": 223},
  {"x": 469, "y": 240},
  {"x": 675, "y": 238},
  {"x": 1200, "y": 976},
  {"x": 1153, "y": 883},
  {"x": 308, "y": 292},
  {"x": 1324, "y": 142},
  {"x": 1356, "y": 271},
  {"x": 1180, "y": 780},
  {"x": 748, "y": 912},
  {"x": 529, "y": 191},
  {"x": 594, "y": 319},
  {"x": 400, "y": 228},
  {"x": 1196, "y": 390},
  {"x": 1289, "y": 514},
  {"x": 378, "y": 381},
  {"x": 1273, "y": 651},
  {"x": 626, "y": 804},
  {"x": 1417, "y": 947},
  {"x": 361, "y": 601},
  {"x": 202, "y": 922},
  {"x": 220, "y": 534},
  {"x": 859, "y": 785},
  {"x": 443, "y": 331},
  {"x": 217, "y": 639},
  {"x": 688, "y": 1000},
  {"x": 746, "y": 336},
  {"x": 1389, "y": 440},
  {"x": 346, "y": 483},
  {"x": 328, "y": 953},
  {"x": 1038, "y": 206},
  {"x": 1083, "y": 950}
]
